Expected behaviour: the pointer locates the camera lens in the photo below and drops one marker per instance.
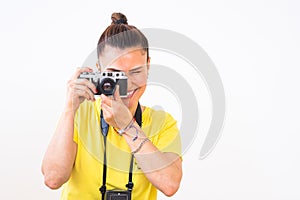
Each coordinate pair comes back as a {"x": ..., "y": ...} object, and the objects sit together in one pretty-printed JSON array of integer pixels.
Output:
[{"x": 107, "y": 86}]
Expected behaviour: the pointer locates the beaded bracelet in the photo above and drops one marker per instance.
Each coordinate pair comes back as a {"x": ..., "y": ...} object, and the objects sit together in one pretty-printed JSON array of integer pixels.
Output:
[
  {"x": 129, "y": 126},
  {"x": 140, "y": 146},
  {"x": 121, "y": 131}
]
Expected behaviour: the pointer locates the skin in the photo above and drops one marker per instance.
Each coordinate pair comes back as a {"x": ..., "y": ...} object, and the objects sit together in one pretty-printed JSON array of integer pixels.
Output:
[{"x": 163, "y": 170}]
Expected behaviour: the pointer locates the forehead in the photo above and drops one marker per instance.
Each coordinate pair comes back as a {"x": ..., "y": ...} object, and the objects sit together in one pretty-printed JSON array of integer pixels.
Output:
[{"x": 122, "y": 59}]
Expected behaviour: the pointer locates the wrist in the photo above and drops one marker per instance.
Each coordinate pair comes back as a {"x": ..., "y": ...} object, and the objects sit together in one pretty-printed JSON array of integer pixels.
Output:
[
  {"x": 126, "y": 127},
  {"x": 136, "y": 145},
  {"x": 70, "y": 106},
  {"x": 139, "y": 147},
  {"x": 69, "y": 110}
]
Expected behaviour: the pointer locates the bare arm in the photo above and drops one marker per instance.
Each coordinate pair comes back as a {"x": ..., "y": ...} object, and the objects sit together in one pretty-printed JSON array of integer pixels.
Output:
[
  {"x": 60, "y": 155},
  {"x": 163, "y": 170},
  {"x": 59, "y": 158}
]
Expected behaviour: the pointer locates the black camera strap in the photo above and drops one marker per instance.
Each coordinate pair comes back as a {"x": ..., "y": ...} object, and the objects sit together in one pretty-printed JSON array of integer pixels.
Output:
[{"x": 104, "y": 129}]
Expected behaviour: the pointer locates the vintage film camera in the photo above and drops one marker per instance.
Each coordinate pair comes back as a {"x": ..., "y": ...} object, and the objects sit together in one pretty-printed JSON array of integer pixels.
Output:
[
  {"x": 106, "y": 82},
  {"x": 118, "y": 195}
]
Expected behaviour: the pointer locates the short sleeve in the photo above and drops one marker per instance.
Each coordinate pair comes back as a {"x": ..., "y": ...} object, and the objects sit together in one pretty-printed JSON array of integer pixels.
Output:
[{"x": 164, "y": 132}]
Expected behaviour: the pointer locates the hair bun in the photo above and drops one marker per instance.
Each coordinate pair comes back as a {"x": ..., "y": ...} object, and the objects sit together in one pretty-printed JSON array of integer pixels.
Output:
[{"x": 118, "y": 18}]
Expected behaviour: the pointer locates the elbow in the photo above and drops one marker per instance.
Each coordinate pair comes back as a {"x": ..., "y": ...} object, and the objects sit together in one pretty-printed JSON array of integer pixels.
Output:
[
  {"x": 54, "y": 181},
  {"x": 172, "y": 187},
  {"x": 171, "y": 190},
  {"x": 52, "y": 184}
]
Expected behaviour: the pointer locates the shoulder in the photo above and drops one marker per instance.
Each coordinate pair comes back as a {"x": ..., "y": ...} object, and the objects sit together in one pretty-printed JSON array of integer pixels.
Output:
[
  {"x": 159, "y": 118},
  {"x": 156, "y": 113},
  {"x": 162, "y": 129}
]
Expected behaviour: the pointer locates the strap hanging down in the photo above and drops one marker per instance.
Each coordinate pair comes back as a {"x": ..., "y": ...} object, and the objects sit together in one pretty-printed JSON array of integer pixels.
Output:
[{"x": 104, "y": 130}]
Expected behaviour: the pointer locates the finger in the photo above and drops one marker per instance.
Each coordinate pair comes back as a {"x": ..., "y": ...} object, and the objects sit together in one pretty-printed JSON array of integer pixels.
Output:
[
  {"x": 81, "y": 93},
  {"x": 86, "y": 90},
  {"x": 80, "y": 70},
  {"x": 87, "y": 83},
  {"x": 106, "y": 100},
  {"x": 117, "y": 93},
  {"x": 107, "y": 112},
  {"x": 106, "y": 108}
]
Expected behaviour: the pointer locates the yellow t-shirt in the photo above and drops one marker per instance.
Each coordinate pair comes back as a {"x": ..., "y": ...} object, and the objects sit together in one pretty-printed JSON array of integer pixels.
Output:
[{"x": 86, "y": 176}]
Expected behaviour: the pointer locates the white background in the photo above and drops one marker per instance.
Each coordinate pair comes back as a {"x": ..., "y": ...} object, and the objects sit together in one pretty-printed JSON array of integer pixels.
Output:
[{"x": 254, "y": 44}]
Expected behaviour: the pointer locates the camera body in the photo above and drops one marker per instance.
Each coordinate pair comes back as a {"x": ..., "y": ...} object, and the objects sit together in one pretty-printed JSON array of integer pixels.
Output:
[
  {"x": 118, "y": 195},
  {"x": 106, "y": 82}
]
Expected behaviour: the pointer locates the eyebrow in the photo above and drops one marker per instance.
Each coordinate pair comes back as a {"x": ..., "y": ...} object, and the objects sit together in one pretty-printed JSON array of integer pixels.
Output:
[
  {"x": 136, "y": 69},
  {"x": 117, "y": 70},
  {"x": 112, "y": 69}
]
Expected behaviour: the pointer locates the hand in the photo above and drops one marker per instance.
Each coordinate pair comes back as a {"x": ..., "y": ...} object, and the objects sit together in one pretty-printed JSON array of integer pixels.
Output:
[
  {"x": 79, "y": 89},
  {"x": 115, "y": 112}
]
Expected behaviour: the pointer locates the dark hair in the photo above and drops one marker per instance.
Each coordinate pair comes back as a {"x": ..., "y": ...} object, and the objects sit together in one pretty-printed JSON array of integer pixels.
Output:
[{"x": 121, "y": 35}]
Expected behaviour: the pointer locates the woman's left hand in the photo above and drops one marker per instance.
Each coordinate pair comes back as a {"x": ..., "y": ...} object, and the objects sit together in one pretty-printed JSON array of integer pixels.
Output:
[{"x": 115, "y": 112}]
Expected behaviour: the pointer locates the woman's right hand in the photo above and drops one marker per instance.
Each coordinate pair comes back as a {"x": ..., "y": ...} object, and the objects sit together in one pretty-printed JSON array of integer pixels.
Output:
[{"x": 79, "y": 89}]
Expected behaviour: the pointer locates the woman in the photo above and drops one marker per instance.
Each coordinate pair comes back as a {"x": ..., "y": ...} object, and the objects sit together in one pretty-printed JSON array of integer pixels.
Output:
[{"x": 139, "y": 140}]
